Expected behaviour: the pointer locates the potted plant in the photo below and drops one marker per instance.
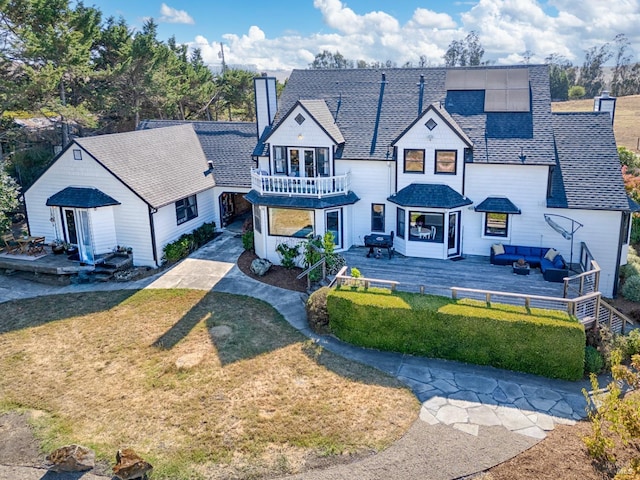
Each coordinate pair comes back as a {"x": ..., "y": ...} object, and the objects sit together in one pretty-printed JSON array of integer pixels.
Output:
[
  {"x": 70, "y": 249},
  {"x": 57, "y": 247}
]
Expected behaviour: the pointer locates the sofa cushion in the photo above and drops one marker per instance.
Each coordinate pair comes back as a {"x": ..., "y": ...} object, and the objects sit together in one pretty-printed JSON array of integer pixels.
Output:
[
  {"x": 558, "y": 262},
  {"x": 551, "y": 254},
  {"x": 524, "y": 251},
  {"x": 536, "y": 252},
  {"x": 498, "y": 249},
  {"x": 509, "y": 249}
]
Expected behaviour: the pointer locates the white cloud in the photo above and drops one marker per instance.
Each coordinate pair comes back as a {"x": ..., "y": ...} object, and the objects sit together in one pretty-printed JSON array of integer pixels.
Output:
[
  {"x": 507, "y": 28},
  {"x": 173, "y": 15}
]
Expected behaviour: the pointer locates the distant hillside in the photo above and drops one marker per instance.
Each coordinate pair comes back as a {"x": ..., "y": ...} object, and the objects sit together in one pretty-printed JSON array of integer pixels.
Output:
[{"x": 626, "y": 123}]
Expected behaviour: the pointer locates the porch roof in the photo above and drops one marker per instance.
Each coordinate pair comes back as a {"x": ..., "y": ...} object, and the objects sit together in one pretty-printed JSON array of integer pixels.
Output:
[
  {"x": 429, "y": 196},
  {"x": 497, "y": 205},
  {"x": 286, "y": 201},
  {"x": 81, "y": 197}
]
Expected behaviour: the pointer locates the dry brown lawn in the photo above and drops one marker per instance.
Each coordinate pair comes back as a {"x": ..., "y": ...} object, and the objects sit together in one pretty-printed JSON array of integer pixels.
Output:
[
  {"x": 198, "y": 383},
  {"x": 626, "y": 123}
]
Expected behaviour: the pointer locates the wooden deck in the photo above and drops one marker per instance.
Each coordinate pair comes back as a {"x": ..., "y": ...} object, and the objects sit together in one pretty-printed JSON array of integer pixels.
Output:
[{"x": 438, "y": 276}]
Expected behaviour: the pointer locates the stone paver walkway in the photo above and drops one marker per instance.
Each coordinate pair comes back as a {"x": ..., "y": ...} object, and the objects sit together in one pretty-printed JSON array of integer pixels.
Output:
[{"x": 472, "y": 417}]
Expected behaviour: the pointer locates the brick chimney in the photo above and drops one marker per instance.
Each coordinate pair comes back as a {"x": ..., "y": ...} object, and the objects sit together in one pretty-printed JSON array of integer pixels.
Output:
[{"x": 266, "y": 101}]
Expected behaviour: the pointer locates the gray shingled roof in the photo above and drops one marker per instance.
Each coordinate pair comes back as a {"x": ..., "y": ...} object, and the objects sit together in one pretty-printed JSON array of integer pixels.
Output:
[
  {"x": 160, "y": 165},
  {"x": 320, "y": 112},
  {"x": 587, "y": 174},
  {"x": 353, "y": 97},
  {"x": 286, "y": 201},
  {"x": 497, "y": 205},
  {"x": 229, "y": 145},
  {"x": 429, "y": 196},
  {"x": 80, "y": 197}
]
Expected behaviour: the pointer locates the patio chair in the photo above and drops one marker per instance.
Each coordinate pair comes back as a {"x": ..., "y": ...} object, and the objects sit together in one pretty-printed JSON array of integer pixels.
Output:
[
  {"x": 10, "y": 244},
  {"x": 36, "y": 246}
]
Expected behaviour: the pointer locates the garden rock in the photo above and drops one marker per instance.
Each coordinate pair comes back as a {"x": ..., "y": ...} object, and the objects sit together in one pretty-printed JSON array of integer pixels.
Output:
[
  {"x": 260, "y": 266},
  {"x": 129, "y": 465},
  {"x": 71, "y": 458}
]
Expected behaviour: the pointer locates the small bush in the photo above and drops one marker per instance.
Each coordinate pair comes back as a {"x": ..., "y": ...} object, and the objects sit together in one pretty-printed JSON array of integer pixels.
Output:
[
  {"x": 633, "y": 343},
  {"x": 593, "y": 361},
  {"x": 355, "y": 273},
  {"x": 317, "y": 314},
  {"x": 629, "y": 270},
  {"x": 288, "y": 254},
  {"x": 631, "y": 288},
  {"x": 247, "y": 240}
]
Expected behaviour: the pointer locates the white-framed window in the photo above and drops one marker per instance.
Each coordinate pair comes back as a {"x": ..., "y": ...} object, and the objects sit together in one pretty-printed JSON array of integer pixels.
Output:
[
  {"x": 186, "y": 209},
  {"x": 291, "y": 222},
  {"x": 257, "y": 224},
  {"x": 280, "y": 160},
  {"x": 400, "y": 222}
]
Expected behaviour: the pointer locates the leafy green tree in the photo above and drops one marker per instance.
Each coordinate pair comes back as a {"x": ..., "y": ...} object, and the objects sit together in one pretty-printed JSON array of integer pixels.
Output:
[
  {"x": 54, "y": 43},
  {"x": 236, "y": 89},
  {"x": 561, "y": 76},
  {"x": 467, "y": 52},
  {"x": 9, "y": 191},
  {"x": 326, "y": 59},
  {"x": 591, "y": 73},
  {"x": 576, "y": 92}
]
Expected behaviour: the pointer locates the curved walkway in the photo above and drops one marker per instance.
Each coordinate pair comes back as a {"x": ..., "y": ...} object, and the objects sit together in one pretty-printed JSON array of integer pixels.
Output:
[{"x": 472, "y": 417}]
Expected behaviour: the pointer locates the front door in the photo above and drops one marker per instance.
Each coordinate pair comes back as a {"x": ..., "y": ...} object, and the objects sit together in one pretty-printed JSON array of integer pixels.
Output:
[
  {"x": 453, "y": 237},
  {"x": 70, "y": 226}
]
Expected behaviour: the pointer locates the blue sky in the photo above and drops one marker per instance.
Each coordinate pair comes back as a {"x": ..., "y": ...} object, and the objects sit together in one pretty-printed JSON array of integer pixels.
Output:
[{"x": 286, "y": 34}]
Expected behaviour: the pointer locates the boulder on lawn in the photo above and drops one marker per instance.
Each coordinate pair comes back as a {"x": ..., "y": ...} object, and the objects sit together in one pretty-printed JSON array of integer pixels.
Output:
[
  {"x": 129, "y": 465},
  {"x": 71, "y": 458},
  {"x": 260, "y": 266}
]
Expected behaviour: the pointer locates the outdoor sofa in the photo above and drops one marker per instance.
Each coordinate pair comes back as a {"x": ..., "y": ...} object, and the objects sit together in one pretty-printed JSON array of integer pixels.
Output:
[{"x": 550, "y": 262}]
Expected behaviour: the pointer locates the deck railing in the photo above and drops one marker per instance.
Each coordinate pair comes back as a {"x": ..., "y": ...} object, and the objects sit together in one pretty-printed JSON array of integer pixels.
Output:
[
  {"x": 300, "y": 186},
  {"x": 347, "y": 280},
  {"x": 583, "y": 283},
  {"x": 588, "y": 308}
]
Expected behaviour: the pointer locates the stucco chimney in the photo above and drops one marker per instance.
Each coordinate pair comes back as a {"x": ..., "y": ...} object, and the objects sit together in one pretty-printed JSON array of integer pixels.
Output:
[
  {"x": 605, "y": 103},
  {"x": 266, "y": 101}
]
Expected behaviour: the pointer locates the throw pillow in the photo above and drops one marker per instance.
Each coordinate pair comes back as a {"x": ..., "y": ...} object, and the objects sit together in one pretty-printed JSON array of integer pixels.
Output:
[
  {"x": 551, "y": 254},
  {"x": 498, "y": 248},
  {"x": 558, "y": 262}
]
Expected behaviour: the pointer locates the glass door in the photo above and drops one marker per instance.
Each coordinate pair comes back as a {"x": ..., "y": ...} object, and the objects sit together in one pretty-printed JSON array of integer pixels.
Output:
[
  {"x": 333, "y": 224},
  {"x": 309, "y": 164},
  {"x": 85, "y": 245},
  {"x": 70, "y": 226},
  {"x": 453, "y": 237}
]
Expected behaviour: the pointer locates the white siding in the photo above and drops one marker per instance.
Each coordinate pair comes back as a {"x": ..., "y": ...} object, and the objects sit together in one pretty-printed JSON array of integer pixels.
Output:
[
  {"x": 103, "y": 229},
  {"x": 372, "y": 182},
  {"x": 442, "y": 137},
  {"x": 165, "y": 223},
  {"x": 131, "y": 220},
  {"x": 309, "y": 135},
  {"x": 525, "y": 186}
]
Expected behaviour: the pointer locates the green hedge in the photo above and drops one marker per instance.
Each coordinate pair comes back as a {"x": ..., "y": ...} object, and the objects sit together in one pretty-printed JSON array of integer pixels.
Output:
[
  {"x": 188, "y": 242},
  {"x": 543, "y": 342}
]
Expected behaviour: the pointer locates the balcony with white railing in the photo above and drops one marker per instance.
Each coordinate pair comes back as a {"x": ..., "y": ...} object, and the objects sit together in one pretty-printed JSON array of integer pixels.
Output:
[{"x": 300, "y": 186}]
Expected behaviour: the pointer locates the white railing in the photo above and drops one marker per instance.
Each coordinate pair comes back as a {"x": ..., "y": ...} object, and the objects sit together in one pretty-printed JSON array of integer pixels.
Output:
[{"x": 300, "y": 186}]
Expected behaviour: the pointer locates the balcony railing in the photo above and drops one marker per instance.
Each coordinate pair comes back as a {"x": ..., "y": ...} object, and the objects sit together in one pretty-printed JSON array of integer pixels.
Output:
[{"x": 300, "y": 186}]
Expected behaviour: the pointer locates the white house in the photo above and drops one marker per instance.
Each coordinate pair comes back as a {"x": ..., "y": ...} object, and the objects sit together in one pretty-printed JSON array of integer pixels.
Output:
[
  {"x": 450, "y": 160},
  {"x": 138, "y": 189}
]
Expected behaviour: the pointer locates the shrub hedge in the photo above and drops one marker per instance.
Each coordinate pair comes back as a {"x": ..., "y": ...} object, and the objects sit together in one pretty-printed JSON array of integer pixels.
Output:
[
  {"x": 543, "y": 342},
  {"x": 187, "y": 243}
]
